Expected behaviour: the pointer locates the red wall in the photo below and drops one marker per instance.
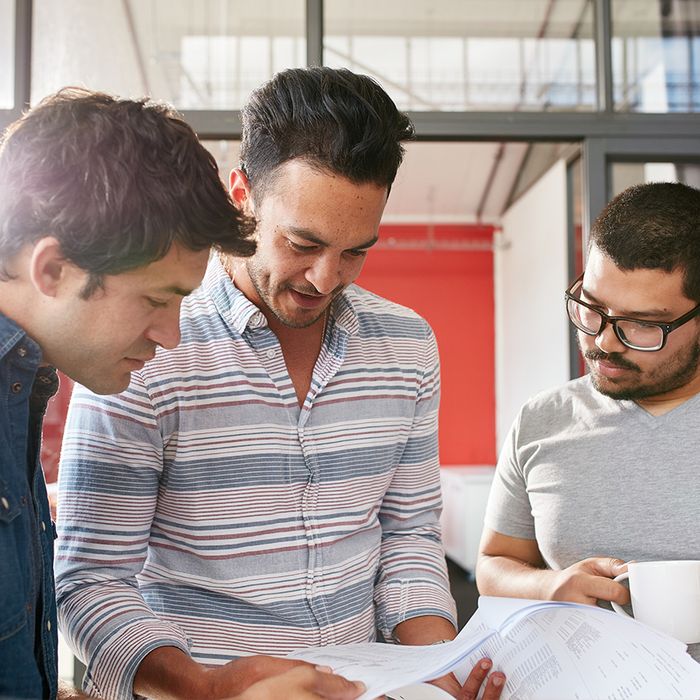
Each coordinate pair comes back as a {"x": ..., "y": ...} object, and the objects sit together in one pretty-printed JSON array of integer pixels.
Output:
[{"x": 453, "y": 290}]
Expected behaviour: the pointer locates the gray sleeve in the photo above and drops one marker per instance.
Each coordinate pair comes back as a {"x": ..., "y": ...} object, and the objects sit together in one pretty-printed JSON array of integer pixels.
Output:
[{"x": 508, "y": 510}]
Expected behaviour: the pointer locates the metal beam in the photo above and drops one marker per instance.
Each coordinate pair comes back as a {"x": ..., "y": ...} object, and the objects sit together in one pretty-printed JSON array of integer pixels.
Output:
[
  {"x": 314, "y": 32},
  {"x": 595, "y": 182},
  {"x": 23, "y": 54},
  {"x": 602, "y": 31},
  {"x": 501, "y": 126},
  {"x": 23, "y": 70}
]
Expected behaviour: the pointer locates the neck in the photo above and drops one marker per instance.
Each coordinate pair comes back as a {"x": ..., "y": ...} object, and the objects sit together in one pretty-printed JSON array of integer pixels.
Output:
[
  {"x": 663, "y": 403},
  {"x": 289, "y": 337}
]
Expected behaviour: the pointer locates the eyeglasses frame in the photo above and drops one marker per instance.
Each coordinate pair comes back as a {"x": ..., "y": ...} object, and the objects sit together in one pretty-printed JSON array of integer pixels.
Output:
[{"x": 666, "y": 328}]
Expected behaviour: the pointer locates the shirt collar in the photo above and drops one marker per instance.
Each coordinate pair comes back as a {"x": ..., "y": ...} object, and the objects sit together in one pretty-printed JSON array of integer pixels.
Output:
[
  {"x": 13, "y": 335},
  {"x": 237, "y": 310}
]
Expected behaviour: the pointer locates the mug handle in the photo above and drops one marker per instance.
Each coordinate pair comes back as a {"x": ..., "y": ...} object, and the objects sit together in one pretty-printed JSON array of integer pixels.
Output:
[{"x": 618, "y": 608}]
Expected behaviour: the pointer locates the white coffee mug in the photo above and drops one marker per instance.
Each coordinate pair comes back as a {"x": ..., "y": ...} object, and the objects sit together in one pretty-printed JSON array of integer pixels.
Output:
[{"x": 665, "y": 595}]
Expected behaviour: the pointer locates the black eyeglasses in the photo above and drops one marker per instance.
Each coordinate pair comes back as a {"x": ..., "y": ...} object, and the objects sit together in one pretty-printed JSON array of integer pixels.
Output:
[{"x": 647, "y": 336}]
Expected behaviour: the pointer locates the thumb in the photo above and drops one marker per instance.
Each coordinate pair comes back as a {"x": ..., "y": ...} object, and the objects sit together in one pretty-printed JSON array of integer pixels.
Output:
[
  {"x": 617, "y": 566},
  {"x": 608, "y": 566}
]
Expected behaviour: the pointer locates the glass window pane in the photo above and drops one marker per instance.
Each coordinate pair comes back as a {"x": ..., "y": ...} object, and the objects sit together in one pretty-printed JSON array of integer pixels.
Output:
[
  {"x": 656, "y": 55},
  {"x": 196, "y": 55},
  {"x": 468, "y": 54},
  {"x": 7, "y": 54},
  {"x": 625, "y": 175}
]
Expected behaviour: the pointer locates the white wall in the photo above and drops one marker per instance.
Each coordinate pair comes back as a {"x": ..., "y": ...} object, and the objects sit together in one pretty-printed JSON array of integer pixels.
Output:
[{"x": 530, "y": 276}]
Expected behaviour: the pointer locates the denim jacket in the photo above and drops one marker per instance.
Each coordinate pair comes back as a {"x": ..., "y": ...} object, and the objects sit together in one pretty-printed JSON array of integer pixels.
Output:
[{"x": 28, "y": 634}]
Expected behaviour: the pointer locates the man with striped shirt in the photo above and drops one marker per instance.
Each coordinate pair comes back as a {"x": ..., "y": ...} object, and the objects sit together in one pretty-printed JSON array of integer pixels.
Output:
[
  {"x": 273, "y": 482},
  {"x": 108, "y": 210}
]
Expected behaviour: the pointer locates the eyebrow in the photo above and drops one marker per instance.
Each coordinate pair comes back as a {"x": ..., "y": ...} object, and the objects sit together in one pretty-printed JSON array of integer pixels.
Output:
[
  {"x": 313, "y": 238},
  {"x": 175, "y": 289},
  {"x": 651, "y": 314}
]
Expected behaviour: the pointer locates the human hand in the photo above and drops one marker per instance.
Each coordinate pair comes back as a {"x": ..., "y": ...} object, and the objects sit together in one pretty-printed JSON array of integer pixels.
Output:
[
  {"x": 474, "y": 682},
  {"x": 245, "y": 672},
  {"x": 304, "y": 683},
  {"x": 589, "y": 581}
]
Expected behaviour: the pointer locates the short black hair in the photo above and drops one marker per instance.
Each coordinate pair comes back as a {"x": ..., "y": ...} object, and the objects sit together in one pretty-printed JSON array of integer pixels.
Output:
[
  {"x": 334, "y": 119},
  {"x": 116, "y": 181},
  {"x": 654, "y": 226}
]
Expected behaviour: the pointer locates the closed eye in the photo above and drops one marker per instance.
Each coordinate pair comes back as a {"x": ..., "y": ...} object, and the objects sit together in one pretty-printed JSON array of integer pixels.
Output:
[
  {"x": 301, "y": 248},
  {"x": 156, "y": 303},
  {"x": 357, "y": 253}
]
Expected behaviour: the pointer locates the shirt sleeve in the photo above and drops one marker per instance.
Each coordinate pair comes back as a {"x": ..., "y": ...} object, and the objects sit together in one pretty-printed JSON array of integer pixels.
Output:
[
  {"x": 508, "y": 510},
  {"x": 111, "y": 462},
  {"x": 412, "y": 579}
]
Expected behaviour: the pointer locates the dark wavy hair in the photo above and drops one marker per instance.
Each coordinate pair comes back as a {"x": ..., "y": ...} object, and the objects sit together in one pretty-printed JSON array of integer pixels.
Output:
[
  {"x": 654, "y": 226},
  {"x": 334, "y": 119},
  {"x": 116, "y": 181}
]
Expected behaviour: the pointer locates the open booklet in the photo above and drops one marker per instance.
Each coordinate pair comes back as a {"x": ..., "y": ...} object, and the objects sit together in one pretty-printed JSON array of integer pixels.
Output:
[{"x": 546, "y": 649}]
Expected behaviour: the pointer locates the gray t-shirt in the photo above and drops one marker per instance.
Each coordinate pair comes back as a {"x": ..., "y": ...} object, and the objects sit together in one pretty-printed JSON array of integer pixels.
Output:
[{"x": 586, "y": 475}]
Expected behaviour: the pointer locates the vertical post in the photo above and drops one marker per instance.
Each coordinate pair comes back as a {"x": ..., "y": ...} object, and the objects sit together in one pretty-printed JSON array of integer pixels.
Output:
[
  {"x": 571, "y": 253},
  {"x": 23, "y": 54},
  {"x": 602, "y": 33},
  {"x": 314, "y": 32},
  {"x": 595, "y": 182}
]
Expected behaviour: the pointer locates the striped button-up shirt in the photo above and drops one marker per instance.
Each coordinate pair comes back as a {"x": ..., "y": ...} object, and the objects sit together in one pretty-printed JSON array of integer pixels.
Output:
[{"x": 204, "y": 509}]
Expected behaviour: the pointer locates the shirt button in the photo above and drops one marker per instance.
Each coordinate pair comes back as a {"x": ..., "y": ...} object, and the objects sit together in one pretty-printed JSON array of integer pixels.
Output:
[
  {"x": 43, "y": 526},
  {"x": 271, "y": 353},
  {"x": 22, "y": 351},
  {"x": 5, "y": 503},
  {"x": 48, "y": 625},
  {"x": 16, "y": 387}
]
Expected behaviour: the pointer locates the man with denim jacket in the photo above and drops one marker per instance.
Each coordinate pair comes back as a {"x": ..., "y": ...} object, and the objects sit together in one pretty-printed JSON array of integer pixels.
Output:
[{"x": 108, "y": 211}]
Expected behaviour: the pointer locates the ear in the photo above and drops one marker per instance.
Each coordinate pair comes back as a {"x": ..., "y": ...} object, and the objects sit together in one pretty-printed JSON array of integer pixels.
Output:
[
  {"x": 47, "y": 266},
  {"x": 239, "y": 187}
]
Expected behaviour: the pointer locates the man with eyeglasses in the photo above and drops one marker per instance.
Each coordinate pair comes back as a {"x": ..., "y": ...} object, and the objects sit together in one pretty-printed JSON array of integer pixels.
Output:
[{"x": 604, "y": 469}]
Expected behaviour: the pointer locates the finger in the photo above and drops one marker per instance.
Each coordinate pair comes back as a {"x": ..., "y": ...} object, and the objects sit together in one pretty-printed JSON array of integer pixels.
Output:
[
  {"x": 602, "y": 588},
  {"x": 494, "y": 686},
  {"x": 449, "y": 684},
  {"x": 607, "y": 566},
  {"x": 334, "y": 687},
  {"x": 475, "y": 679}
]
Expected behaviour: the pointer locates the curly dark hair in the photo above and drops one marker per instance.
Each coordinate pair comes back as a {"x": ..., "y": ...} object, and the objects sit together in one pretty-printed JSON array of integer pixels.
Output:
[
  {"x": 116, "y": 181},
  {"x": 654, "y": 226},
  {"x": 334, "y": 119}
]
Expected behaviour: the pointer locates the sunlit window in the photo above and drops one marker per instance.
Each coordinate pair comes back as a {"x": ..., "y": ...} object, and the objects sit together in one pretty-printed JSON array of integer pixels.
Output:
[
  {"x": 458, "y": 55},
  {"x": 196, "y": 55},
  {"x": 656, "y": 55}
]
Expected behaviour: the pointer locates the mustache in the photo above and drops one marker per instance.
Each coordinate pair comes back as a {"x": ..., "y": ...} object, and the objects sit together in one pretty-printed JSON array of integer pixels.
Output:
[
  {"x": 614, "y": 358},
  {"x": 313, "y": 292}
]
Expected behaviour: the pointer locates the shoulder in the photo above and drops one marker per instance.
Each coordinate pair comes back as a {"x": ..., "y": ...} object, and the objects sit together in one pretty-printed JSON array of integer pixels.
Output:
[
  {"x": 557, "y": 409},
  {"x": 558, "y": 397},
  {"x": 375, "y": 314}
]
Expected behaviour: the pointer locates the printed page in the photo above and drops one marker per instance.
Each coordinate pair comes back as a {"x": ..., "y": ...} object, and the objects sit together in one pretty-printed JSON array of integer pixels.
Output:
[
  {"x": 501, "y": 613},
  {"x": 586, "y": 653}
]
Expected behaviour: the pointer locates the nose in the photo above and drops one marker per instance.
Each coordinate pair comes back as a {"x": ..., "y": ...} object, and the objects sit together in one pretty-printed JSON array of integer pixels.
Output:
[
  {"x": 165, "y": 329},
  {"x": 608, "y": 342},
  {"x": 324, "y": 274}
]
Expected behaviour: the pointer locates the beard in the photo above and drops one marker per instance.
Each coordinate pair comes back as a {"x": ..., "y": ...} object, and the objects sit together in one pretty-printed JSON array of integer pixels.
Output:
[
  {"x": 675, "y": 372},
  {"x": 260, "y": 279}
]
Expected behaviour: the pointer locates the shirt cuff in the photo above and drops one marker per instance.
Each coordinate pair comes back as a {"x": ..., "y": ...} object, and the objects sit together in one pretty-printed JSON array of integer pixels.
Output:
[
  {"x": 403, "y": 600},
  {"x": 113, "y": 666}
]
